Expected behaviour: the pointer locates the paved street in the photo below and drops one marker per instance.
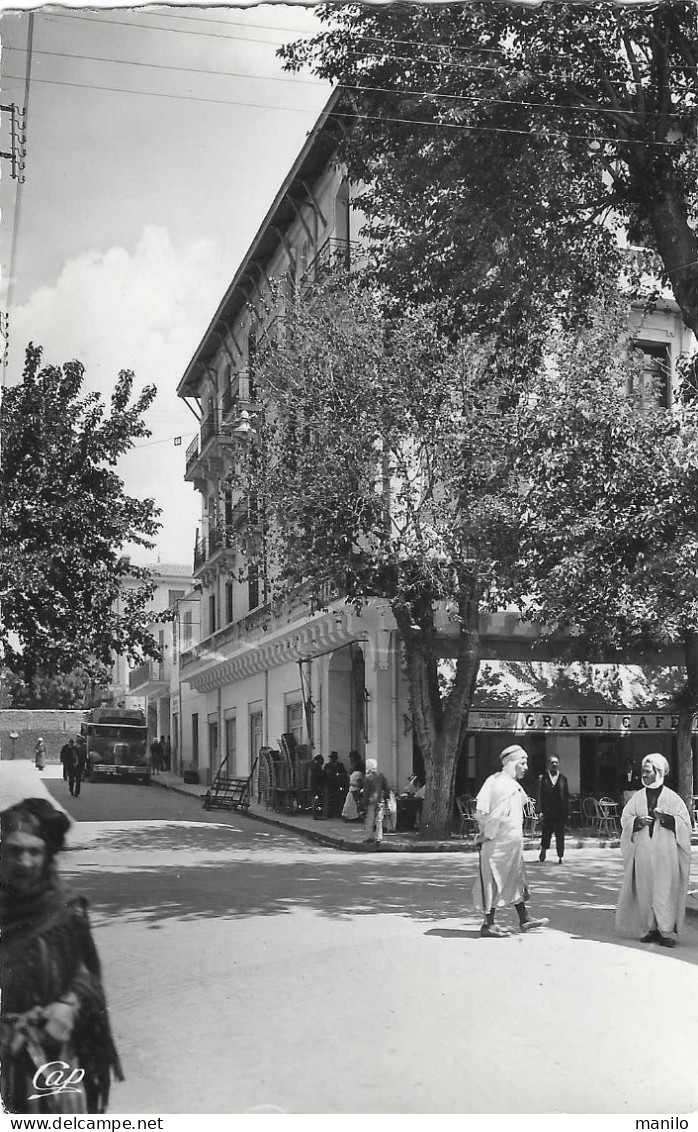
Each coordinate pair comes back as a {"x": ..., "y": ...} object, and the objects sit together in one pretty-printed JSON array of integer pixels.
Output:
[{"x": 247, "y": 967}]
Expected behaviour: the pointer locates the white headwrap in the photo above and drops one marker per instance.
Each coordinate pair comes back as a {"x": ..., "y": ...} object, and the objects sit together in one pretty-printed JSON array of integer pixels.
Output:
[
  {"x": 371, "y": 764},
  {"x": 514, "y": 752},
  {"x": 660, "y": 765}
]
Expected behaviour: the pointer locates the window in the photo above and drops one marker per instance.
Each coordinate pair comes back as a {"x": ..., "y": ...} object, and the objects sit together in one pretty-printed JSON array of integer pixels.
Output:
[
  {"x": 228, "y": 602},
  {"x": 253, "y": 586},
  {"x": 187, "y": 629},
  {"x": 256, "y": 734},
  {"x": 212, "y": 613},
  {"x": 231, "y": 746},
  {"x": 294, "y": 721},
  {"x": 651, "y": 386},
  {"x": 213, "y": 744},
  {"x": 195, "y": 738}
]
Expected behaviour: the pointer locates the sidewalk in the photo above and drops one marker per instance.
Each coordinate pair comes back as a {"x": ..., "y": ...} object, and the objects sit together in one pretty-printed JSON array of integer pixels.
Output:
[{"x": 349, "y": 836}]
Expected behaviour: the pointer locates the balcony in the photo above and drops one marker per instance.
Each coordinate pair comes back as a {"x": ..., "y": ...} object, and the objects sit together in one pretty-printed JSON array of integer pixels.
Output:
[
  {"x": 192, "y": 454},
  {"x": 199, "y": 553},
  {"x": 208, "y": 429},
  {"x": 334, "y": 255},
  {"x": 150, "y": 678}
]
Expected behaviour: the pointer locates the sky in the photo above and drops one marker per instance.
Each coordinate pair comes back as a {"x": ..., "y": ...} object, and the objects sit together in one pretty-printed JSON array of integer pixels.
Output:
[{"x": 147, "y": 177}]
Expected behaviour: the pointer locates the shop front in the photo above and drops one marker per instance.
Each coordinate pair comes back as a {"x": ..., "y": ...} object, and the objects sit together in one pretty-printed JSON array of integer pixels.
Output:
[{"x": 592, "y": 717}]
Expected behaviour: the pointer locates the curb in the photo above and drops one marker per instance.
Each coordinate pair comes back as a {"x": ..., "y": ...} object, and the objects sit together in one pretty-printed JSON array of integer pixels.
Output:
[{"x": 392, "y": 846}]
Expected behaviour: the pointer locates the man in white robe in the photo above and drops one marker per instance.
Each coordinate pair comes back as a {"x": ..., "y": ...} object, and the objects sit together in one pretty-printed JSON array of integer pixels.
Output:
[
  {"x": 656, "y": 847},
  {"x": 499, "y": 811}
]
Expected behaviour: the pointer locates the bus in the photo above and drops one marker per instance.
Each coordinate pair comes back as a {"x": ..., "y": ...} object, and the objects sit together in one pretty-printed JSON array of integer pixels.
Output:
[{"x": 117, "y": 745}]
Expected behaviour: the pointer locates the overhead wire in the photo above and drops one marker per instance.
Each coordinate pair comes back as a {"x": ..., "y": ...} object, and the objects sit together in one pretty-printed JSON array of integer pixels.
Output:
[
  {"x": 367, "y": 54},
  {"x": 354, "y": 115},
  {"x": 412, "y": 92}
]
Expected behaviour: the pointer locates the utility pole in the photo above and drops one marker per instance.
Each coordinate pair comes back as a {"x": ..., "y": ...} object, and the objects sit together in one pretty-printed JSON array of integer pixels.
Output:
[{"x": 16, "y": 156}]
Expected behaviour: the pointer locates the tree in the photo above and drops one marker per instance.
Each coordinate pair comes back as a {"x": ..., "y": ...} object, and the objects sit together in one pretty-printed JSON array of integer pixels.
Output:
[
  {"x": 63, "y": 690},
  {"x": 381, "y": 472},
  {"x": 609, "y": 519},
  {"x": 499, "y": 148},
  {"x": 65, "y": 519}
]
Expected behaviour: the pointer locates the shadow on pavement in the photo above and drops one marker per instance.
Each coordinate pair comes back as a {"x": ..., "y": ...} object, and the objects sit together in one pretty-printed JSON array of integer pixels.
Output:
[{"x": 208, "y": 875}]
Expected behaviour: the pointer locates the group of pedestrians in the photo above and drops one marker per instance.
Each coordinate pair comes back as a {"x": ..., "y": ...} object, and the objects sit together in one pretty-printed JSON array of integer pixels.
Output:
[
  {"x": 160, "y": 754},
  {"x": 655, "y": 847}
]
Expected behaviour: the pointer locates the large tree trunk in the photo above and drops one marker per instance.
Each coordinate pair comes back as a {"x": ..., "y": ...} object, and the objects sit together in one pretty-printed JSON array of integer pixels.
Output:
[
  {"x": 688, "y": 706},
  {"x": 440, "y": 724}
]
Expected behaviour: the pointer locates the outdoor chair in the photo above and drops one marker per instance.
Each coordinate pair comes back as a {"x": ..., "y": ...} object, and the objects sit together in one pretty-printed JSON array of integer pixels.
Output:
[
  {"x": 466, "y": 812},
  {"x": 608, "y": 816},
  {"x": 590, "y": 813},
  {"x": 531, "y": 822}
]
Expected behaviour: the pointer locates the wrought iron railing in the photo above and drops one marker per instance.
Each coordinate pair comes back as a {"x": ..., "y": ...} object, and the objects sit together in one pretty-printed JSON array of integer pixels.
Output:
[
  {"x": 199, "y": 553},
  {"x": 208, "y": 428},
  {"x": 192, "y": 452}
]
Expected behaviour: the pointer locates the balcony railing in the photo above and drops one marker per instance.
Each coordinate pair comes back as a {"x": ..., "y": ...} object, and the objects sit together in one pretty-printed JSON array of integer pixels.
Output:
[
  {"x": 199, "y": 553},
  {"x": 192, "y": 452},
  {"x": 334, "y": 255},
  {"x": 208, "y": 429},
  {"x": 150, "y": 672}
]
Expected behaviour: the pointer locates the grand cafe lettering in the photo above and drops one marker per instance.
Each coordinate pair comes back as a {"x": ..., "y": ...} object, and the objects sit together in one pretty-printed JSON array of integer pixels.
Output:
[{"x": 578, "y": 722}]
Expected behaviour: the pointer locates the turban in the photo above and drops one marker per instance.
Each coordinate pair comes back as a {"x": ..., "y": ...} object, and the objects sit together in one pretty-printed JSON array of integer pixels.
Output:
[
  {"x": 371, "y": 764},
  {"x": 514, "y": 752},
  {"x": 659, "y": 763}
]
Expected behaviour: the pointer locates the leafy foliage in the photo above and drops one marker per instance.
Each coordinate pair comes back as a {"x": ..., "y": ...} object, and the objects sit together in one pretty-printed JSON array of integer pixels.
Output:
[
  {"x": 609, "y": 525},
  {"x": 382, "y": 470},
  {"x": 500, "y": 146},
  {"x": 65, "y": 518}
]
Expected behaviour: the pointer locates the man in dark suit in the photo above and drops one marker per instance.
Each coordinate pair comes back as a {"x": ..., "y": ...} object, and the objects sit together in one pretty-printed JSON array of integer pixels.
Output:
[{"x": 553, "y": 807}]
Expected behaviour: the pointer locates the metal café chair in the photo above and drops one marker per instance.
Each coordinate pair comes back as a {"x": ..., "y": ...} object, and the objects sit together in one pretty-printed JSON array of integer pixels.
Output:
[
  {"x": 590, "y": 812},
  {"x": 531, "y": 818},
  {"x": 466, "y": 812},
  {"x": 608, "y": 820}
]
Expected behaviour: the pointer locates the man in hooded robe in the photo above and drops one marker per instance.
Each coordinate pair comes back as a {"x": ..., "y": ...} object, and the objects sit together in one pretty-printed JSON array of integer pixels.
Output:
[
  {"x": 499, "y": 811},
  {"x": 656, "y": 847}
]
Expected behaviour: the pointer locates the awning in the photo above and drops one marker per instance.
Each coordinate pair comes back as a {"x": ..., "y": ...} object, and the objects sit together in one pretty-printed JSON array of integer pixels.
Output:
[{"x": 523, "y": 696}]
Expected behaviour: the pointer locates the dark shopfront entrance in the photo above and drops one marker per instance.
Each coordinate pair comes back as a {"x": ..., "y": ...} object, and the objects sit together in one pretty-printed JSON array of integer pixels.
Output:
[{"x": 603, "y": 759}]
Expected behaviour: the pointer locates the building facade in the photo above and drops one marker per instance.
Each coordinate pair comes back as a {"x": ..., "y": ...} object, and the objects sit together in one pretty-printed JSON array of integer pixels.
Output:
[
  {"x": 155, "y": 685},
  {"x": 333, "y": 678}
]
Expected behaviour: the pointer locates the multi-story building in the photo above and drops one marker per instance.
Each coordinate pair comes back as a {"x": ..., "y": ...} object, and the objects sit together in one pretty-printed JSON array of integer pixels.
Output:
[
  {"x": 334, "y": 678},
  {"x": 155, "y": 685}
]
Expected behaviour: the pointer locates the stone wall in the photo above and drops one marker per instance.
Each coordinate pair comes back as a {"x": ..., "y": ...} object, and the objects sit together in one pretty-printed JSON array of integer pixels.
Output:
[{"x": 55, "y": 727}]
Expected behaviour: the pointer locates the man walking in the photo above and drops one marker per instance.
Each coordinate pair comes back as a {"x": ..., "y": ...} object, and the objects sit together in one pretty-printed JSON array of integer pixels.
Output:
[
  {"x": 656, "y": 846},
  {"x": 67, "y": 751},
  {"x": 499, "y": 811},
  {"x": 553, "y": 807},
  {"x": 375, "y": 795},
  {"x": 76, "y": 768}
]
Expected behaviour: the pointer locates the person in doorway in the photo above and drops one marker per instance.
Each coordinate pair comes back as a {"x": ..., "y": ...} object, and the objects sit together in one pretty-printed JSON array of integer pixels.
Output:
[
  {"x": 167, "y": 754},
  {"x": 52, "y": 1006},
  {"x": 553, "y": 808},
  {"x": 499, "y": 812},
  {"x": 40, "y": 754},
  {"x": 156, "y": 755},
  {"x": 656, "y": 848},
  {"x": 77, "y": 768},
  {"x": 376, "y": 793},
  {"x": 317, "y": 786},
  {"x": 352, "y": 809},
  {"x": 66, "y": 757},
  {"x": 336, "y": 786},
  {"x": 631, "y": 781}
]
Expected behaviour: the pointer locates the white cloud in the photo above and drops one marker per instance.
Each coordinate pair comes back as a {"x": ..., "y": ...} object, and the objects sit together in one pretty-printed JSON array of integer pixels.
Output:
[{"x": 144, "y": 310}]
